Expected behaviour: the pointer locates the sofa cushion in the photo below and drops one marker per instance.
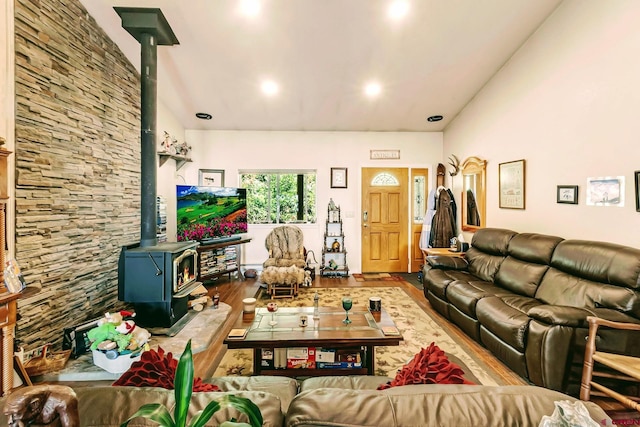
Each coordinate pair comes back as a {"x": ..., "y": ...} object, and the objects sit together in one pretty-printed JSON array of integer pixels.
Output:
[
  {"x": 437, "y": 281},
  {"x": 519, "y": 276},
  {"x": 350, "y": 382},
  {"x": 593, "y": 274},
  {"x": 560, "y": 288},
  {"x": 489, "y": 247},
  {"x": 283, "y": 387},
  {"x": 430, "y": 366},
  {"x": 157, "y": 369},
  {"x": 599, "y": 262},
  {"x": 428, "y": 405},
  {"x": 505, "y": 319},
  {"x": 110, "y": 406},
  {"x": 533, "y": 248},
  {"x": 464, "y": 296}
]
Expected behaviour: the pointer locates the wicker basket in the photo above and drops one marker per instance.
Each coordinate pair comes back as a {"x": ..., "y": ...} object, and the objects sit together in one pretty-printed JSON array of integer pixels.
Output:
[{"x": 47, "y": 362}]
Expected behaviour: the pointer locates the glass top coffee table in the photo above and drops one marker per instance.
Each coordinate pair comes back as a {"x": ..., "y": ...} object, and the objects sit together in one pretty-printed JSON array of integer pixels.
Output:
[{"x": 320, "y": 337}]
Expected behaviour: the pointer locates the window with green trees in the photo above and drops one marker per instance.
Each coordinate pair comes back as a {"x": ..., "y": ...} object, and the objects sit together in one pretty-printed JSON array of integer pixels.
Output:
[{"x": 279, "y": 197}]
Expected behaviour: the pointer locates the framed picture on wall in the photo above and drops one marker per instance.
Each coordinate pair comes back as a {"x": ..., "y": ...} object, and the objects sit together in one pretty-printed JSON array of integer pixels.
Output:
[
  {"x": 211, "y": 177},
  {"x": 338, "y": 177},
  {"x": 567, "y": 194},
  {"x": 511, "y": 184},
  {"x": 605, "y": 191}
]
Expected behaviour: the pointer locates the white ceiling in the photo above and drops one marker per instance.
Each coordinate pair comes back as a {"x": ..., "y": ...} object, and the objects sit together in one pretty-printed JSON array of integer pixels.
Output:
[{"x": 322, "y": 52}]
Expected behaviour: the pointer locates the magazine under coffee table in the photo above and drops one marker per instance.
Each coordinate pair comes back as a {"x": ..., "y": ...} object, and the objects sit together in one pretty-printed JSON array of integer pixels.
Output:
[{"x": 366, "y": 331}]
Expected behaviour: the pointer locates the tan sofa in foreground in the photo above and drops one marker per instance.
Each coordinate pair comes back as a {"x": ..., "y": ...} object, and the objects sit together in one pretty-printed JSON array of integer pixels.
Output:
[{"x": 340, "y": 401}]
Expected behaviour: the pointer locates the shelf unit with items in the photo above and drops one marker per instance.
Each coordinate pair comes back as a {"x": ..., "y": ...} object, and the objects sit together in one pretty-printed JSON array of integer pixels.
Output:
[
  {"x": 334, "y": 254},
  {"x": 217, "y": 259}
]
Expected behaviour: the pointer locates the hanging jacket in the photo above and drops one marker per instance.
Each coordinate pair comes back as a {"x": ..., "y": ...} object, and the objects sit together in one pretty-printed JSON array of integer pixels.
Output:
[{"x": 443, "y": 225}]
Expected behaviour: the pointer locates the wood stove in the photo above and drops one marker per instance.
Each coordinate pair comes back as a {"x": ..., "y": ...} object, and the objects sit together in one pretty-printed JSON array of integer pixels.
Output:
[{"x": 157, "y": 280}]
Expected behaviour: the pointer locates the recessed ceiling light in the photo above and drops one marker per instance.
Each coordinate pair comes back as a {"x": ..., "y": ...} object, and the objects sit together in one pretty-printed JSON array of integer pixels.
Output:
[
  {"x": 434, "y": 118},
  {"x": 269, "y": 87},
  {"x": 398, "y": 9},
  {"x": 204, "y": 116},
  {"x": 250, "y": 7},
  {"x": 372, "y": 89}
]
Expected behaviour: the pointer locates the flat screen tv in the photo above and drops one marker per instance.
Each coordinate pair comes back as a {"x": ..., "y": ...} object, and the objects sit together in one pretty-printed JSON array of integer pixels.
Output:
[{"x": 210, "y": 213}]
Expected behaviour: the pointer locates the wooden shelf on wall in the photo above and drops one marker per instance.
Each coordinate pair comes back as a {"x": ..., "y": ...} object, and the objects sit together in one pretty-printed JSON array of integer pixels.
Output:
[{"x": 180, "y": 160}]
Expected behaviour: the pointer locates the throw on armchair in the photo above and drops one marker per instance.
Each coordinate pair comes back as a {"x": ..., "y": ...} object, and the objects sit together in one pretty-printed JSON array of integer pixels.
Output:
[{"x": 284, "y": 271}]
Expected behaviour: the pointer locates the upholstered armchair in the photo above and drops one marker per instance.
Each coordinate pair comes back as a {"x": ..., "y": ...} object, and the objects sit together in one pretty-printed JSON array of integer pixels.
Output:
[{"x": 284, "y": 271}]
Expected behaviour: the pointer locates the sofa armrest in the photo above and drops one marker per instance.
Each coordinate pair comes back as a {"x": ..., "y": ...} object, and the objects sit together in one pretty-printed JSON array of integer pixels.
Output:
[
  {"x": 447, "y": 262},
  {"x": 560, "y": 315}
]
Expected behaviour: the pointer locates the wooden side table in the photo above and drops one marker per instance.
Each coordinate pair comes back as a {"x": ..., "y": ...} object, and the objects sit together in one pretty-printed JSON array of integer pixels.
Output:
[{"x": 440, "y": 252}]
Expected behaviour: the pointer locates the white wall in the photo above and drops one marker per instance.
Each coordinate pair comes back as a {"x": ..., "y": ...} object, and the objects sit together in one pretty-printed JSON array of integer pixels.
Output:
[
  {"x": 237, "y": 150},
  {"x": 168, "y": 177},
  {"x": 568, "y": 102}
]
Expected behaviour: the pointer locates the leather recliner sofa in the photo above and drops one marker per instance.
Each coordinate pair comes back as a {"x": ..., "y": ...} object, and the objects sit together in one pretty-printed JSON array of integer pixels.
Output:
[{"x": 526, "y": 298}]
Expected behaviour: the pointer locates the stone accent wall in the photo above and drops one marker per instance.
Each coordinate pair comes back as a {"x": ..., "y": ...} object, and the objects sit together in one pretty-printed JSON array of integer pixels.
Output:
[{"x": 77, "y": 166}]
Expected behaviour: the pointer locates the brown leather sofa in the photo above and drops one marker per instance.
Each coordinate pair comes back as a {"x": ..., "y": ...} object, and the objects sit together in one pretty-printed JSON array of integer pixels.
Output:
[{"x": 526, "y": 298}]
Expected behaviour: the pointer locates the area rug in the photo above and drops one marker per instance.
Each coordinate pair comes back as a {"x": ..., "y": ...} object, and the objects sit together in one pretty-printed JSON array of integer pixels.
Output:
[
  {"x": 418, "y": 328},
  {"x": 366, "y": 277}
]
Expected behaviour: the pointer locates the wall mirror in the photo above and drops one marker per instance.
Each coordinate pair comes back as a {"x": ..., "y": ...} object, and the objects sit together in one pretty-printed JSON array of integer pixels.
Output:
[{"x": 473, "y": 194}]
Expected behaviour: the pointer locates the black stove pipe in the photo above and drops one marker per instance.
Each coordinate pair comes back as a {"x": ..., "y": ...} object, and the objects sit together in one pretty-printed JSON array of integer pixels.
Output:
[
  {"x": 150, "y": 28},
  {"x": 148, "y": 156}
]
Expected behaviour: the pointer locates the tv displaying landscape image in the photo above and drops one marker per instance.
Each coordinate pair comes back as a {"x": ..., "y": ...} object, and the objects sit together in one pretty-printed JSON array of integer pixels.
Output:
[{"x": 206, "y": 213}]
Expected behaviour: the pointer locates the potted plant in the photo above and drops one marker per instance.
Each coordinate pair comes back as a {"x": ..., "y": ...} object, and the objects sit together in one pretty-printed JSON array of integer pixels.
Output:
[{"x": 183, "y": 387}]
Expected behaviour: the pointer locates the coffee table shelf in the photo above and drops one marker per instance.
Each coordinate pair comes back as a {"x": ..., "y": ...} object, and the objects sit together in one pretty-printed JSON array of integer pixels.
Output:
[
  {"x": 363, "y": 333},
  {"x": 314, "y": 372}
]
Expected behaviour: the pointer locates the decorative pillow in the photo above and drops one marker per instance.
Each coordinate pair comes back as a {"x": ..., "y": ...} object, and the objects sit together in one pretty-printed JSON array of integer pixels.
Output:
[
  {"x": 429, "y": 366},
  {"x": 157, "y": 369}
]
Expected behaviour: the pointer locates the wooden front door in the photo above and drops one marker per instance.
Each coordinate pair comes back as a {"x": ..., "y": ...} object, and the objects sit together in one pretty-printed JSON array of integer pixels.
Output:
[{"x": 384, "y": 220}]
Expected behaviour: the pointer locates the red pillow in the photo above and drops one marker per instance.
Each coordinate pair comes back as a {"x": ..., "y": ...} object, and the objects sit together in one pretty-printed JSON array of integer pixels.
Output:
[
  {"x": 155, "y": 369},
  {"x": 429, "y": 366}
]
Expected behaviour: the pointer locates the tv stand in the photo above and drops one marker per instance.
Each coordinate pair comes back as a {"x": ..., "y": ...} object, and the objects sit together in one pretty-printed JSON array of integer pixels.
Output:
[
  {"x": 220, "y": 257},
  {"x": 224, "y": 239}
]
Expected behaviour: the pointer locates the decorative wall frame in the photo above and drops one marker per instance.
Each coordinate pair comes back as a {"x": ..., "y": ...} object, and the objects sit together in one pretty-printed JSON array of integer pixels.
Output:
[
  {"x": 211, "y": 177},
  {"x": 338, "y": 177},
  {"x": 605, "y": 191},
  {"x": 384, "y": 154},
  {"x": 511, "y": 184},
  {"x": 567, "y": 194},
  {"x": 637, "y": 180}
]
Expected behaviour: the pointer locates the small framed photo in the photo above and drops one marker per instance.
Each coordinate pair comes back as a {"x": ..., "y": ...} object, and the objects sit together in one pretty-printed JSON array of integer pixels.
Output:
[
  {"x": 637, "y": 180},
  {"x": 567, "y": 194},
  {"x": 338, "y": 177},
  {"x": 211, "y": 177},
  {"x": 511, "y": 184},
  {"x": 605, "y": 191}
]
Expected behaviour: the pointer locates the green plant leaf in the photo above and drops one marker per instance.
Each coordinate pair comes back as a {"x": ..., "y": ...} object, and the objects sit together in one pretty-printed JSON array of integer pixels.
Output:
[
  {"x": 152, "y": 411},
  {"x": 183, "y": 384},
  {"x": 203, "y": 416},
  {"x": 242, "y": 404}
]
